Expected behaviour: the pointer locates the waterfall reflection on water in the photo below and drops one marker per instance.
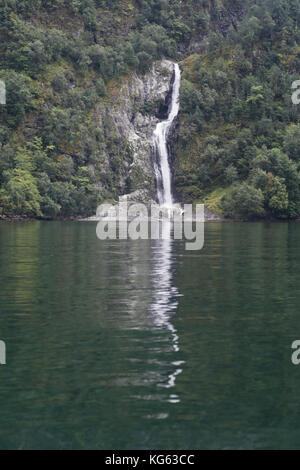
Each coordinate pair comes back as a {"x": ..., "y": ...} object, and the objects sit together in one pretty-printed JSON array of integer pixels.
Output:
[
  {"x": 149, "y": 311},
  {"x": 165, "y": 301}
]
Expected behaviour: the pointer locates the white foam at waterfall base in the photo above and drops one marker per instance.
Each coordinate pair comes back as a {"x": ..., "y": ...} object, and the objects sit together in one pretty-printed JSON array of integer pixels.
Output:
[{"x": 161, "y": 133}]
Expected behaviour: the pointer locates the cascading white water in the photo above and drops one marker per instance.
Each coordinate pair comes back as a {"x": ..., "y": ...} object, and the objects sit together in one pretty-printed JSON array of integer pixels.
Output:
[{"x": 162, "y": 168}]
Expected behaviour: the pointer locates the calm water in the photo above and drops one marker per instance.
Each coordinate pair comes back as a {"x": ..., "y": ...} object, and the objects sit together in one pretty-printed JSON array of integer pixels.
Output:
[{"x": 140, "y": 345}]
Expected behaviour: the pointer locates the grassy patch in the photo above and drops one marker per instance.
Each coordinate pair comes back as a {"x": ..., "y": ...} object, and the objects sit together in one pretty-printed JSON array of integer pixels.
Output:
[{"x": 213, "y": 200}]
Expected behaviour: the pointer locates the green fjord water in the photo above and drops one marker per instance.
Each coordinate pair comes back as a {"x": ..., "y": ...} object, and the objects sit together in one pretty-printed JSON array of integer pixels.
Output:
[{"x": 143, "y": 345}]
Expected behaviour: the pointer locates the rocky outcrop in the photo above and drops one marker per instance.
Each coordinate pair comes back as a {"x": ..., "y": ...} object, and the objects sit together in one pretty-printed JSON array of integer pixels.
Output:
[{"x": 134, "y": 110}]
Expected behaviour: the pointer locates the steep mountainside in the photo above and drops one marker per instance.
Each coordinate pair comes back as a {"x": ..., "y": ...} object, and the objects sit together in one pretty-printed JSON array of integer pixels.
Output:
[{"x": 87, "y": 80}]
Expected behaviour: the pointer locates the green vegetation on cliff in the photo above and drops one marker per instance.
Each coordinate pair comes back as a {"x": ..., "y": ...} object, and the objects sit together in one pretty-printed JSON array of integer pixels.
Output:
[
  {"x": 239, "y": 130},
  {"x": 239, "y": 139}
]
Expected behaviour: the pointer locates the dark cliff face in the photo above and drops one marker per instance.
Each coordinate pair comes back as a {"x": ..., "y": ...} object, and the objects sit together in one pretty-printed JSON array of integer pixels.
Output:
[
  {"x": 221, "y": 17},
  {"x": 231, "y": 14}
]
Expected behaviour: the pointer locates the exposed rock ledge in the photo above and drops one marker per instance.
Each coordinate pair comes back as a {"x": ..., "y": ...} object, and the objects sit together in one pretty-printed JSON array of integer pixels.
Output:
[{"x": 137, "y": 127}]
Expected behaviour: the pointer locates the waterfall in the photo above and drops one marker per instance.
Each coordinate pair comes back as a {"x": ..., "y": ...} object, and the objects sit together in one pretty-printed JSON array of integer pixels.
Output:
[{"x": 161, "y": 133}]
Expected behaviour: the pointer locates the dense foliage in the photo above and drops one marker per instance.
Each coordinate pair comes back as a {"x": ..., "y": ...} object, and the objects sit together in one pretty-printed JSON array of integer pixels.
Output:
[{"x": 238, "y": 129}]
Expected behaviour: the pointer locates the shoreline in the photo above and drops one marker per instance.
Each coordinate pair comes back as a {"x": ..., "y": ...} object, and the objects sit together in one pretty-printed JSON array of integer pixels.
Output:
[{"x": 18, "y": 218}]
